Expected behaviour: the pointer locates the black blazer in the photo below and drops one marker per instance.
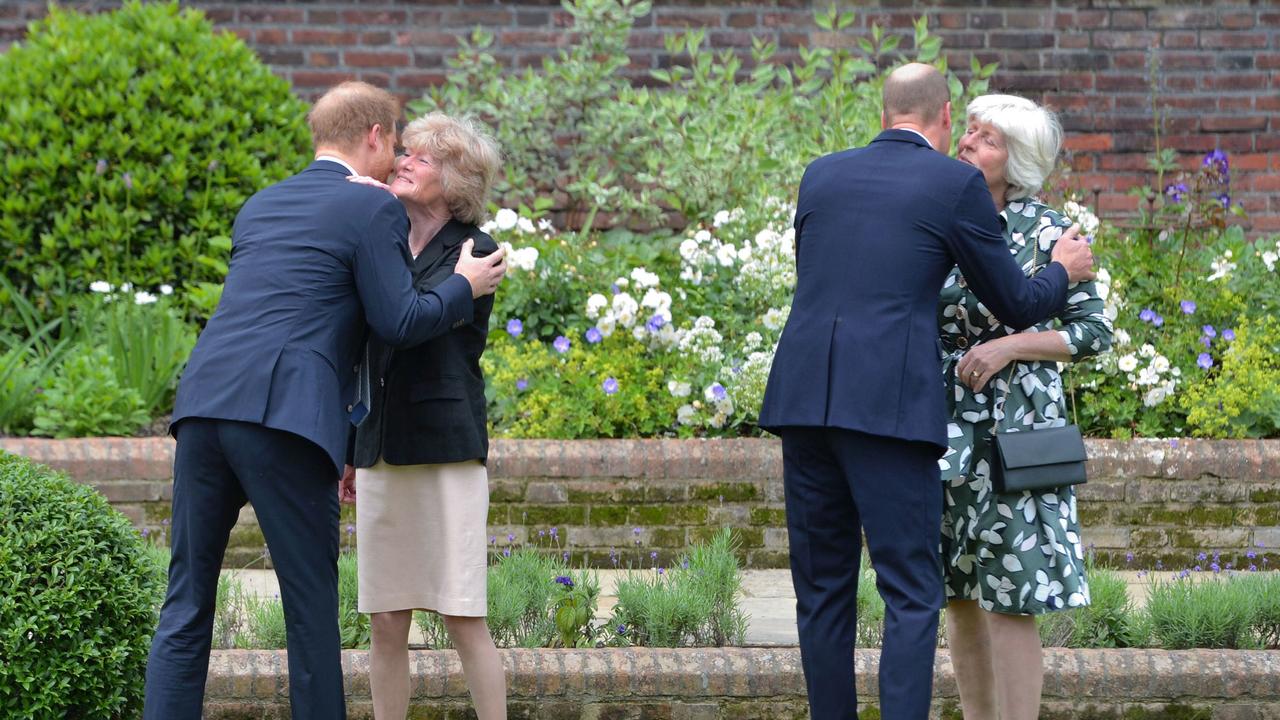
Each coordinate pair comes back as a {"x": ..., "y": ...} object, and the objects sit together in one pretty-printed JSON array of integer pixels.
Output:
[
  {"x": 877, "y": 230},
  {"x": 316, "y": 262},
  {"x": 427, "y": 402}
]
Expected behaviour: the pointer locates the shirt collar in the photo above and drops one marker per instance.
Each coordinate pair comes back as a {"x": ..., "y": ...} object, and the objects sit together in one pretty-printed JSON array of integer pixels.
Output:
[
  {"x": 339, "y": 161},
  {"x": 917, "y": 132}
]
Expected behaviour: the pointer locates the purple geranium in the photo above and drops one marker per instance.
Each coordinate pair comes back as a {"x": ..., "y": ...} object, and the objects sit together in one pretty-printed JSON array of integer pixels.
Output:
[
  {"x": 1175, "y": 191},
  {"x": 1209, "y": 331},
  {"x": 522, "y": 385},
  {"x": 561, "y": 344},
  {"x": 100, "y": 168},
  {"x": 1204, "y": 360},
  {"x": 610, "y": 386},
  {"x": 514, "y": 327},
  {"x": 1216, "y": 161},
  {"x": 594, "y": 335},
  {"x": 655, "y": 323},
  {"x": 1147, "y": 315},
  {"x": 718, "y": 392},
  {"x": 1158, "y": 320},
  {"x": 566, "y": 581},
  {"x": 1228, "y": 334},
  {"x": 1188, "y": 307}
]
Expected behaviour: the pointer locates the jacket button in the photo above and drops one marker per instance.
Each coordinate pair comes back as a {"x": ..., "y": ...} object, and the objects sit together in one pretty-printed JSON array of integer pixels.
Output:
[
  {"x": 350, "y": 408},
  {"x": 962, "y": 342},
  {"x": 355, "y": 368},
  {"x": 382, "y": 382}
]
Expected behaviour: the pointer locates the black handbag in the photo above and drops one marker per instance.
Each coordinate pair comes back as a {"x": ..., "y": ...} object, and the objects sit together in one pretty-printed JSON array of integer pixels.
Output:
[{"x": 1043, "y": 459}]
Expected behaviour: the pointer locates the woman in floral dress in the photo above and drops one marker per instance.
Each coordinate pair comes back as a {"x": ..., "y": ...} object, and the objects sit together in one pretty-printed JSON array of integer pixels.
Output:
[{"x": 1009, "y": 556}]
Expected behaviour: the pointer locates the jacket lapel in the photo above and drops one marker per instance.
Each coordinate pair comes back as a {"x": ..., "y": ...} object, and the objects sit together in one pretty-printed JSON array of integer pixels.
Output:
[{"x": 439, "y": 248}]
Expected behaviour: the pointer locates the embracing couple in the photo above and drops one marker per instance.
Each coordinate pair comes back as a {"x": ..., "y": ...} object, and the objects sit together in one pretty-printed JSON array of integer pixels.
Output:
[
  {"x": 348, "y": 335},
  {"x": 903, "y": 353}
]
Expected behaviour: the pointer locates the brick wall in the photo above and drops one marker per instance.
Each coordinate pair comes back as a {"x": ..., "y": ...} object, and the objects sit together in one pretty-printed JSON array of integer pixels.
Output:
[
  {"x": 1162, "y": 501},
  {"x": 1087, "y": 58}
]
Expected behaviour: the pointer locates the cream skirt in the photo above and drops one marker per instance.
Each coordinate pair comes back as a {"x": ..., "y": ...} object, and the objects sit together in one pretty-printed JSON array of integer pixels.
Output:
[{"x": 420, "y": 537}]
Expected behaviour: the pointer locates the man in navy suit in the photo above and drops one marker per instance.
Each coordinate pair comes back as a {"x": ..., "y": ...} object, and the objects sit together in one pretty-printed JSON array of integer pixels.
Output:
[
  {"x": 262, "y": 410},
  {"x": 856, "y": 388}
]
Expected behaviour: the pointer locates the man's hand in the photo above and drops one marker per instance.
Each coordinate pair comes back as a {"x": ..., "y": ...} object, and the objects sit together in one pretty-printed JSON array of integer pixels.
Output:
[
  {"x": 1075, "y": 255},
  {"x": 347, "y": 485},
  {"x": 484, "y": 273}
]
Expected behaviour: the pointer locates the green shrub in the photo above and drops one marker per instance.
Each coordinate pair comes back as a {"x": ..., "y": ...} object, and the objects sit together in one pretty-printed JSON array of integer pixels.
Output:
[
  {"x": 130, "y": 139},
  {"x": 78, "y": 599},
  {"x": 85, "y": 398},
  {"x": 692, "y": 604},
  {"x": 353, "y": 625},
  {"x": 870, "y": 607},
  {"x": 521, "y": 587},
  {"x": 1213, "y": 613},
  {"x": 264, "y": 623},
  {"x": 28, "y": 356},
  {"x": 1242, "y": 399},
  {"x": 1264, "y": 588}
]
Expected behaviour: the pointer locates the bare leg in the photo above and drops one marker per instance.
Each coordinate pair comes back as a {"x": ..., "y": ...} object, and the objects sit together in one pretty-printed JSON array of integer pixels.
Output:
[
  {"x": 968, "y": 635},
  {"x": 1019, "y": 665},
  {"x": 481, "y": 664},
  {"x": 389, "y": 664}
]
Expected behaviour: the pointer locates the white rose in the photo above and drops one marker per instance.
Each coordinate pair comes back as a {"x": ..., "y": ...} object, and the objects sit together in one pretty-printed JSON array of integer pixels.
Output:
[
  {"x": 688, "y": 249},
  {"x": 1128, "y": 363},
  {"x": 644, "y": 278},
  {"x": 595, "y": 304},
  {"x": 506, "y": 219}
]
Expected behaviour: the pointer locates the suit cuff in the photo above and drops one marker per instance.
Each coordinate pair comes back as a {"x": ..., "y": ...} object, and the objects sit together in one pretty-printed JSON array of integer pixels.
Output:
[{"x": 455, "y": 293}]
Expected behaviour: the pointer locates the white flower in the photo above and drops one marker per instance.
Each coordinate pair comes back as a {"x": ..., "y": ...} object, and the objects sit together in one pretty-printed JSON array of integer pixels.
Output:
[
  {"x": 545, "y": 225},
  {"x": 1269, "y": 259},
  {"x": 143, "y": 298},
  {"x": 525, "y": 258},
  {"x": 1153, "y": 396},
  {"x": 752, "y": 341},
  {"x": 100, "y": 286},
  {"x": 606, "y": 324},
  {"x": 1222, "y": 267},
  {"x": 126, "y": 287},
  {"x": 644, "y": 278},
  {"x": 166, "y": 289},
  {"x": 702, "y": 236},
  {"x": 1160, "y": 364},
  {"x": 1120, "y": 337},
  {"x": 726, "y": 255},
  {"x": 624, "y": 309},
  {"x": 721, "y": 218},
  {"x": 679, "y": 389},
  {"x": 595, "y": 304},
  {"x": 688, "y": 249},
  {"x": 622, "y": 282},
  {"x": 1128, "y": 363},
  {"x": 775, "y": 318},
  {"x": 1148, "y": 376},
  {"x": 525, "y": 225},
  {"x": 1147, "y": 350},
  {"x": 506, "y": 219},
  {"x": 488, "y": 227},
  {"x": 686, "y": 414}
]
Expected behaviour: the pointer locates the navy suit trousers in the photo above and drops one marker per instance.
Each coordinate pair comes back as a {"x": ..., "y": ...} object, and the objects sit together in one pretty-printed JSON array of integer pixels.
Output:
[
  {"x": 839, "y": 483},
  {"x": 221, "y": 464}
]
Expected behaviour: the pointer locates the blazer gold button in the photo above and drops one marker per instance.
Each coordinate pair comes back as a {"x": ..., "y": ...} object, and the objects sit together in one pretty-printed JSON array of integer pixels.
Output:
[{"x": 962, "y": 342}]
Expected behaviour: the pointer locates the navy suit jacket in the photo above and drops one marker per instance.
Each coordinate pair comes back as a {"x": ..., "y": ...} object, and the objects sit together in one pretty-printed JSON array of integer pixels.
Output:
[
  {"x": 877, "y": 230},
  {"x": 316, "y": 261}
]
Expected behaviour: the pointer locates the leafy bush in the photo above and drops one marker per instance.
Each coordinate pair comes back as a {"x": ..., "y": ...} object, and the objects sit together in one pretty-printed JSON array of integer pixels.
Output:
[
  {"x": 27, "y": 358},
  {"x": 1243, "y": 399},
  {"x": 353, "y": 625},
  {"x": 131, "y": 138},
  {"x": 521, "y": 587},
  {"x": 708, "y": 137},
  {"x": 85, "y": 399},
  {"x": 264, "y": 623},
  {"x": 78, "y": 599},
  {"x": 693, "y": 604},
  {"x": 870, "y": 607}
]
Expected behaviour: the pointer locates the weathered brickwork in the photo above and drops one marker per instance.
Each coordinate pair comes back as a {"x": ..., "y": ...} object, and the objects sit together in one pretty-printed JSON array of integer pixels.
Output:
[
  {"x": 1161, "y": 501},
  {"x": 1088, "y": 58},
  {"x": 764, "y": 684}
]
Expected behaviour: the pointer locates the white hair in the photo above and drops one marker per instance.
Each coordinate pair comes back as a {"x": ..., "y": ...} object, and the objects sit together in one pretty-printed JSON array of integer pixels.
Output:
[{"x": 1032, "y": 136}]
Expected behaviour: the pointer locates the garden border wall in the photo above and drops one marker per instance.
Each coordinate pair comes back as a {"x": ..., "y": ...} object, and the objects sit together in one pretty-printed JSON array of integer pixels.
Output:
[
  {"x": 1164, "y": 501},
  {"x": 760, "y": 683}
]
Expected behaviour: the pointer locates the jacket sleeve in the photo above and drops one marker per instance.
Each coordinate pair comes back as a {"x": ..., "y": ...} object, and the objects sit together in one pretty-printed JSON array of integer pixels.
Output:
[
  {"x": 384, "y": 282},
  {"x": 979, "y": 248}
]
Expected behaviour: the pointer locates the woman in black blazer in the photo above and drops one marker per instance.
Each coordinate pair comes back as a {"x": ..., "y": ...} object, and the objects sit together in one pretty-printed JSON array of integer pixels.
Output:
[{"x": 422, "y": 486}]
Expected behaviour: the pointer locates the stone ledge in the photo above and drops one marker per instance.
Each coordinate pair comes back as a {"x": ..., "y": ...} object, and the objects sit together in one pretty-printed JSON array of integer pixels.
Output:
[
  {"x": 108, "y": 459},
  {"x": 568, "y": 683}
]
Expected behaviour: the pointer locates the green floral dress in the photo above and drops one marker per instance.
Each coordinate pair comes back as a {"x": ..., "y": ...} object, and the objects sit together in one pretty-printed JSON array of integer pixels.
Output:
[{"x": 1017, "y": 553}]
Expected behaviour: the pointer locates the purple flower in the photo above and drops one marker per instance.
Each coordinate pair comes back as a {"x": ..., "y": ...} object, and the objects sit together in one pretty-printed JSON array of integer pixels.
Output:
[
  {"x": 1175, "y": 191},
  {"x": 1215, "y": 567},
  {"x": 1158, "y": 320},
  {"x": 100, "y": 168},
  {"x": 1204, "y": 360},
  {"x": 610, "y": 386},
  {"x": 146, "y": 532},
  {"x": 661, "y": 571},
  {"x": 493, "y": 539},
  {"x": 1206, "y": 341},
  {"x": 127, "y": 179},
  {"x": 1225, "y": 199},
  {"x": 165, "y": 522},
  {"x": 1159, "y": 564},
  {"x": 506, "y": 551},
  {"x": 511, "y": 537},
  {"x": 1128, "y": 557},
  {"x": 1216, "y": 161},
  {"x": 1209, "y": 331},
  {"x": 655, "y": 323},
  {"x": 684, "y": 563},
  {"x": 653, "y": 555},
  {"x": 522, "y": 385},
  {"x": 1147, "y": 315},
  {"x": 514, "y": 327},
  {"x": 594, "y": 335},
  {"x": 718, "y": 392},
  {"x": 1253, "y": 568},
  {"x": 542, "y": 533},
  {"x": 1173, "y": 443},
  {"x": 635, "y": 531},
  {"x": 1188, "y": 307},
  {"x": 613, "y": 288},
  {"x": 561, "y": 344},
  {"x": 566, "y": 581},
  {"x": 1251, "y": 555},
  {"x": 1185, "y": 573},
  {"x": 553, "y": 532},
  {"x": 351, "y": 529},
  {"x": 1228, "y": 334},
  {"x": 565, "y": 557},
  {"x": 622, "y": 629},
  {"x": 1198, "y": 568},
  {"x": 1202, "y": 557}
]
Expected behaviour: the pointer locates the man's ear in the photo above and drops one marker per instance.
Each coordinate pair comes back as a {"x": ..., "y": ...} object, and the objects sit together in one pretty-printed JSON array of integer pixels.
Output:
[
  {"x": 374, "y": 137},
  {"x": 884, "y": 120},
  {"x": 946, "y": 115}
]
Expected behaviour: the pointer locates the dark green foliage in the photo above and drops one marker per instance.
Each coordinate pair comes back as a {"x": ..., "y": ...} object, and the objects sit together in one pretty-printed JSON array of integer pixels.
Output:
[
  {"x": 78, "y": 599},
  {"x": 130, "y": 139}
]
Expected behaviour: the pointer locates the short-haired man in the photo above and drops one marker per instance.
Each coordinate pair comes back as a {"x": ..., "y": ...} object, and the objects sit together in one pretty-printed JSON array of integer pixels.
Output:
[
  {"x": 262, "y": 410},
  {"x": 856, "y": 391}
]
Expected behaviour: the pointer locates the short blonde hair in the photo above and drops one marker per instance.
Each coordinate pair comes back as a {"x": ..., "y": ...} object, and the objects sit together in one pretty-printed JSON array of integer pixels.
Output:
[
  {"x": 344, "y": 114},
  {"x": 1032, "y": 136},
  {"x": 469, "y": 160}
]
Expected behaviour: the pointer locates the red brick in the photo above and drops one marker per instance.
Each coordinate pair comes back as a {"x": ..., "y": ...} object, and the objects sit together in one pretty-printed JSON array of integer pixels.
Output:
[
  {"x": 324, "y": 37},
  {"x": 1129, "y": 82},
  {"x": 1114, "y": 40},
  {"x": 322, "y": 59},
  {"x": 271, "y": 15},
  {"x": 1267, "y": 61},
  {"x": 373, "y": 39},
  {"x": 319, "y": 79},
  {"x": 367, "y": 59},
  {"x": 467, "y": 18},
  {"x": 270, "y": 36},
  {"x": 1088, "y": 142},
  {"x": 1186, "y": 61},
  {"x": 375, "y": 17},
  {"x": 1267, "y": 102},
  {"x": 1035, "y": 18},
  {"x": 1127, "y": 60},
  {"x": 1110, "y": 202},
  {"x": 1235, "y": 103},
  {"x": 526, "y": 38},
  {"x": 1237, "y": 20},
  {"x": 1233, "y": 39},
  {"x": 322, "y": 17},
  {"x": 1128, "y": 19},
  {"x": 1180, "y": 40},
  {"x": 742, "y": 20},
  {"x": 1260, "y": 182},
  {"x": 1020, "y": 40},
  {"x": 1081, "y": 19},
  {"x": 1236, "y": 81},
  {"x": 1182, "y": 18},
  {"x": 666, "y": 18},
  {"x": 426, "y": 38},
  {"x": 1073, "y": 41},
  {"x": 419, "y": 80},
  {"x": 1126, "y": 161}
]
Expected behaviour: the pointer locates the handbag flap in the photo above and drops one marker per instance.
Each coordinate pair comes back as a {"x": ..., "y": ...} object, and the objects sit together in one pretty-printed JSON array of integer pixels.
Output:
[{"x": 1047, "y": 446}]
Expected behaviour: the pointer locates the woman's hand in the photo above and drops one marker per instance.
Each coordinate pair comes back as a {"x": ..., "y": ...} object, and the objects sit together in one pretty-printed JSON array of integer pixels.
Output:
[
  {"x": 984, "y": 361},
  {"x": 366, "y": 180}
]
